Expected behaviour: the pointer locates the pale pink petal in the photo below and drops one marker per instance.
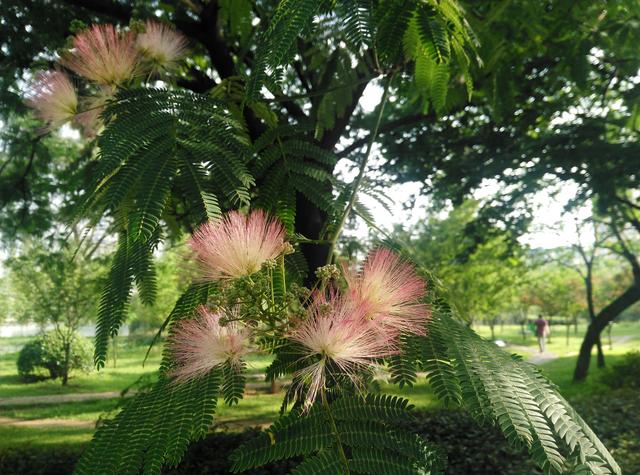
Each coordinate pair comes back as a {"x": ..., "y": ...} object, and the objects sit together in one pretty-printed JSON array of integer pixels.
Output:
[
  {"x": 202, "y": 343},
  {"x": 237, "y": 245},
  {"x": 53, "y": 97},
  {"x": 103, "y": 54},
  {"x": 333, "y": 332},
  {"x": 389, "y": 293},
  {"x": 161, "y": 45}
]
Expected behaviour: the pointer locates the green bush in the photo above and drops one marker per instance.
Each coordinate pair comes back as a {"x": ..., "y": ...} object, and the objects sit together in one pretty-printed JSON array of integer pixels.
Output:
[
  {"x": 625, "y": 374},
  {"x": 615, "y": 417},
  {"x": 47, "y": 353}
]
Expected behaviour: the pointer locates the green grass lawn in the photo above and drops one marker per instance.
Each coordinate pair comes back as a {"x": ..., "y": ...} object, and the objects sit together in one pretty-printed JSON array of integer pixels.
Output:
[
  {"x": 127, "y": 371},
  {"x": 258, "y": 407},
  {"x": 625, "y": 336}
]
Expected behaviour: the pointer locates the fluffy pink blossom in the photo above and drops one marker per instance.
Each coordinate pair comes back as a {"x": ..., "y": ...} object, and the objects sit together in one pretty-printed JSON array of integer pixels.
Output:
[
  {"x": 202, "y": 343},
  {"x": 389, "y": 292},
  {"x": 53, "y": 98},
  {"x": 103, "y": 54},
  {"x": 161, "y": 45},
  {"x": 237, "y": 245},
  {"x": 331, "y": 338}
]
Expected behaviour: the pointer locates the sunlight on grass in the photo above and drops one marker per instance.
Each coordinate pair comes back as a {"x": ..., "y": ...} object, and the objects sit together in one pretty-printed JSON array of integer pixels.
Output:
[
  {"x": 258, "y": 407},
  {"x": 625, "y": 336}
]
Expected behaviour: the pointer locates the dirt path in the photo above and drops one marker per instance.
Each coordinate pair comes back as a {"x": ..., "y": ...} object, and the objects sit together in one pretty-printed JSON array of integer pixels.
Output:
[
  {"x": 538, "y": 358},
  {"x": 81, "y": 397},
  {"x": 56, "y": 398},
  {"x": 223, "y": 423},
  {"x": 541, "y": 358},
  {"x": 622, "y": 339},
  {"x": 47, "y": 423},
  {"x": 535, "y": 356}
]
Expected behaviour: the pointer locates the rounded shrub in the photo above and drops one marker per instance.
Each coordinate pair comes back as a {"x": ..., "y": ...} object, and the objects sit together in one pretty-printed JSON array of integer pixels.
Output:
[{"x": 44, "y": 357}]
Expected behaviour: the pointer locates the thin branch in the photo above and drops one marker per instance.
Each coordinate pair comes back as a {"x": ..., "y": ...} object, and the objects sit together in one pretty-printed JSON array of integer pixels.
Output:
[
  {"x": 627, "y": 202},
  {"x": 363, "y": 165},
  {"x": 627, "y": 254}
]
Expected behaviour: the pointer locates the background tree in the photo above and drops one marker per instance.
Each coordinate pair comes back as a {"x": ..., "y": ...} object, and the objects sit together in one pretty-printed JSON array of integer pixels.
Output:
[
  {"x": 56, "y": 288},
  {"x": 479, "y": 278},
  {"x": 172, "y": 279},
  {"x": 554, "y": 293},
  {"x": 625, "y": 228}
]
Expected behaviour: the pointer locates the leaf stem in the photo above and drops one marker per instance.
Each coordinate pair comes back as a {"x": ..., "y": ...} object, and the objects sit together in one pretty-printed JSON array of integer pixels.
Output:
[
  {"x": 284, "y": 278},
  {"x": 334, "y": 430},
  {"x": 363, "y": 166}
]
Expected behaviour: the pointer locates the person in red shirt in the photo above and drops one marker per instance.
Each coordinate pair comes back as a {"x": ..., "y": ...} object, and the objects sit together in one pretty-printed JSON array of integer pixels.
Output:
[{"x": 542, "y": 331}]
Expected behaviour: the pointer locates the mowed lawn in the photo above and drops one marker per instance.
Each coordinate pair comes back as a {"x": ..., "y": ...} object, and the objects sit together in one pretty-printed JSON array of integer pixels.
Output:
[{"x": 73, "y": 422}]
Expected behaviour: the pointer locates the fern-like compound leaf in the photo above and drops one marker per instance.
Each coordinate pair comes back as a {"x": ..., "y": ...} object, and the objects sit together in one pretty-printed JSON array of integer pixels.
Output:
[
  {"x": 156, "y": 139},
  {"x": 356, "y": 431},
  {"x": 500, "y": 389},
  {"x": 153, "y": 429}
]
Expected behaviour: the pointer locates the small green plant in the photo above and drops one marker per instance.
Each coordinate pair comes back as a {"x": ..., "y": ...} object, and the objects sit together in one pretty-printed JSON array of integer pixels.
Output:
[{"x": 47, "y": 353}]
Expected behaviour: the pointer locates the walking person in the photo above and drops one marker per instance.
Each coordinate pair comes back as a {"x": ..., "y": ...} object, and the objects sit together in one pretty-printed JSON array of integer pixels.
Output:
[{"x": 542, "y": 331}]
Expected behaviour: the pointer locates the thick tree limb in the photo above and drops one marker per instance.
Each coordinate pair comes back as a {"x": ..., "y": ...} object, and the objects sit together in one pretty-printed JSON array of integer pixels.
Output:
[{"x": 606, "y": 315}]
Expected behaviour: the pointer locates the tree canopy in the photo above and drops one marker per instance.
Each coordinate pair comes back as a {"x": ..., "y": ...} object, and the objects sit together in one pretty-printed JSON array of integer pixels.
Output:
[{"x": 257, "y": 116}]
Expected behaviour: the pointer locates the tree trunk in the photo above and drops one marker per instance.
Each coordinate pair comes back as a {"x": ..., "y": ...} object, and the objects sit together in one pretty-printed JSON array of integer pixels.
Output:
[
  {"x": 592, "y": 313},
  {"x": 606, "y": 315},
  {"x": 600, "y": 358},
  {"x": 66, "y": 363},
  {"x": 309, "y": 222}
]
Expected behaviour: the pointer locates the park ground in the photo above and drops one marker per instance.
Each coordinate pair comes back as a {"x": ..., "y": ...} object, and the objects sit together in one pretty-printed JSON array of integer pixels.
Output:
[{"x": 46, "y": 414}]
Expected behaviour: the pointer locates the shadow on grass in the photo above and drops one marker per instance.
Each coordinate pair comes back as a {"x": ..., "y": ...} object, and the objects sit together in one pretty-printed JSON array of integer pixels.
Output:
[{"x": 560, "y": 371}]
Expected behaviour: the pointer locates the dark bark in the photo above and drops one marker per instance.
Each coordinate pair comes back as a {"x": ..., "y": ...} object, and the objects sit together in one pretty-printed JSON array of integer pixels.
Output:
[
  {"x": 606, "y": 315},
  {"x": 592, "y": 313},
  {"x": 309, "y": 222},
  {"x": 116, "y": 10},
  {"x": 310, "y": 219},
  {"x": 67, "y": 363}
]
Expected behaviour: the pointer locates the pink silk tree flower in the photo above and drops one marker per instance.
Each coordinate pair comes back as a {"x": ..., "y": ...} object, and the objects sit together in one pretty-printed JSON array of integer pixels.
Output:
[
  {"x": 202, "y": 343},
  {"x": 237, "y": 245},
  {"x": 54, "y": 98},
  {"x": 388, "y": 292},
  {"x": 161, "y": 45},
  {"x": 330, "y": 337},
  {"x": 103, "y": 54}
]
